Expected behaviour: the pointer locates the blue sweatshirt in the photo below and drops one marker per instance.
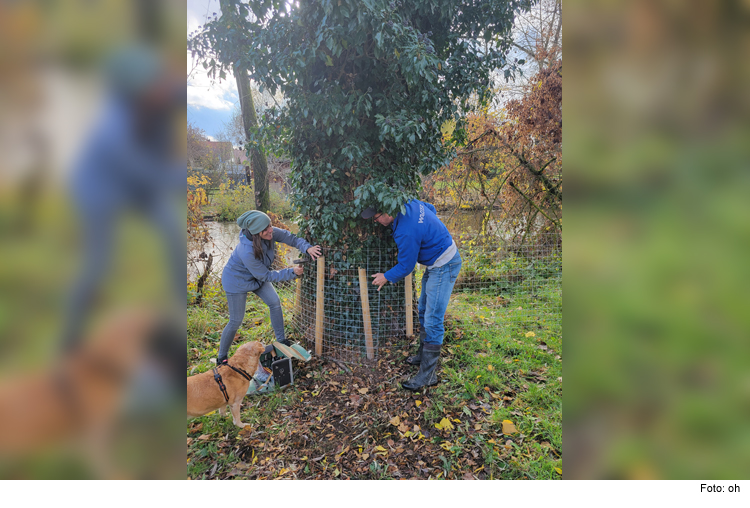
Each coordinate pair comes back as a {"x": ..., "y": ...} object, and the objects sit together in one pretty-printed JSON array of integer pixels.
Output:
[
  {"x": 244, "y": 273},
  {"x": 420, "y": 237}
]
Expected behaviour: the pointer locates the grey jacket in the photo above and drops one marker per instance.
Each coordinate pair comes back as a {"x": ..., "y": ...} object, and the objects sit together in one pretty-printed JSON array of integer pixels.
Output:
[{"x": 244, "y": 273}]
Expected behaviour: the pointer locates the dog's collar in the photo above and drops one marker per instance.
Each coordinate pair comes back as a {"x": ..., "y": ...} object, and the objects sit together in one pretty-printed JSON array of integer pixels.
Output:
[{"x": 238, "y": 371}]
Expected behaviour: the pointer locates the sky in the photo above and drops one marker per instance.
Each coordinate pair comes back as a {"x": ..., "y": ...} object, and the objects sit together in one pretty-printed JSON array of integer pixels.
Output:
[{"x": 209, "y": 103}]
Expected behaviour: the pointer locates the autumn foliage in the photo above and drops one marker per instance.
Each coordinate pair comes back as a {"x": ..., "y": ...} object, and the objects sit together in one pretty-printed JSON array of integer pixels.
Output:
[{"x": 513, "y": 162}]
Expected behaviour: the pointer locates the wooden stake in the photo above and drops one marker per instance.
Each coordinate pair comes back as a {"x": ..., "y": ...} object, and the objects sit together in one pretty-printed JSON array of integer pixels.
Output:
[
  {"x": 298, "y": 301},
  {"x": 366, "y": 313},
  {"x": 409, "y": 311},
  {"x": 319, "y": 314}
]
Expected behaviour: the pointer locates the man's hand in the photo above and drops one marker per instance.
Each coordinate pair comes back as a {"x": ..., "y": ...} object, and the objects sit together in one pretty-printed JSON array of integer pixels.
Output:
[
  {"x": 314, "y": 252},
  {"x": 298, "y": 269},
  {"x": 379, "y": 280}
]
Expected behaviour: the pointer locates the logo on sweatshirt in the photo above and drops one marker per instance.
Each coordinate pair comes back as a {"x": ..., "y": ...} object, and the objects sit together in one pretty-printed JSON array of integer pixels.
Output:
[{"x": 421, "y": 214}]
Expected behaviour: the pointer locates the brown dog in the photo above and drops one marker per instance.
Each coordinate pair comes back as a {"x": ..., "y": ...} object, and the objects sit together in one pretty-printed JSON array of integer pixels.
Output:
[
  {"x": 79, "y": 400},
  {"x": 204, "y": 394}
]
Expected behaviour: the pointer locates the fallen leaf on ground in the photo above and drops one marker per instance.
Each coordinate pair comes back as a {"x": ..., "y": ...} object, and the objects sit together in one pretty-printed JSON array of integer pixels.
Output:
[
  {"x": 445, "y": 424},
  {"x": 509, "y": 427}
]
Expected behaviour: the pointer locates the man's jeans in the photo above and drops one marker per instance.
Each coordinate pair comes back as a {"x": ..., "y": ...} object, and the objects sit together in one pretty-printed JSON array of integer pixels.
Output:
[
  {"x": 236, "y": 304},
  {"x": 437, "y": 285}
]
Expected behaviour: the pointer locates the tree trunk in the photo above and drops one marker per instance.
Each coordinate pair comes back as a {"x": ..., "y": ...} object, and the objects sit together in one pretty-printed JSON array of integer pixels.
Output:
[
  {"x": 248, "y": 175},
  {"x": 258, "y": 158}
]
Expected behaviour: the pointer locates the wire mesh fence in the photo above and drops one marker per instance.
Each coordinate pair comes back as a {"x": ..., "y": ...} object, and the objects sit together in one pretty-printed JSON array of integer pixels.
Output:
[{"x": 500, "y": 285}]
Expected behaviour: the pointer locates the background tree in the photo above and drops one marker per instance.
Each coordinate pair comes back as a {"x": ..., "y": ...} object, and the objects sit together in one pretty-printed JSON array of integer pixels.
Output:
[
  {"x": 206, "y": 158},
  {"x": 513, "y": 160},
  {"x": 537, "y": 38},
  {"x": 247, "y": 105},
  {"x": 234, "y": 130},
  {"x": 250, "y": 123},
  {"x": 533, "y": 139},
  {"x": 537, "y": 33}
]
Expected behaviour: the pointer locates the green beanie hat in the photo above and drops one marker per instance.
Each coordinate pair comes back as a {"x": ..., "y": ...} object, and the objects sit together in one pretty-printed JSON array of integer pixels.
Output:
[{"x": 254, "y": 221}]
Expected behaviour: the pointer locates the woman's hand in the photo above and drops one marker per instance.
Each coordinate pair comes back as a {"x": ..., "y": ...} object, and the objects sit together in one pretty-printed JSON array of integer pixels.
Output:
[
  {"x": 314, "y": 252},
  {"x": 298, "y": 269}
]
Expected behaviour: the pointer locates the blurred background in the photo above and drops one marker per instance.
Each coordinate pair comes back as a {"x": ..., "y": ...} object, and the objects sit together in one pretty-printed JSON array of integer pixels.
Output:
[
  {"x": 92, "y": 239},
  {"x": 657, "y": 279}
]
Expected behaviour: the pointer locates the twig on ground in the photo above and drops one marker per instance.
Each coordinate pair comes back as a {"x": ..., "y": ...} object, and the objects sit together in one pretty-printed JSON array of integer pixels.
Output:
[
  {"x": 360, "y": 435},
  {"x": 341, "y": 365}
]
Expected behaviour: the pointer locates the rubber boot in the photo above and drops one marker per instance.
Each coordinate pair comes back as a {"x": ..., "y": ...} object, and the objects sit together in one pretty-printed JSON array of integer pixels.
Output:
[
  {"x": 414, "y": 360},
  {"x": 427, "y": 367}
]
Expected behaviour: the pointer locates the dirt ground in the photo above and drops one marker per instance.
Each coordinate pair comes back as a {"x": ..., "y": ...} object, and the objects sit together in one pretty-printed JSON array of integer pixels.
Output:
[{"x": 356, "y": 422}]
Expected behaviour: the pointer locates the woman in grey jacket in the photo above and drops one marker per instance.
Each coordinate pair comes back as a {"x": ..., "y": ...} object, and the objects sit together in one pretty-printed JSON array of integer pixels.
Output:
[{"x": 249, "y": 269}]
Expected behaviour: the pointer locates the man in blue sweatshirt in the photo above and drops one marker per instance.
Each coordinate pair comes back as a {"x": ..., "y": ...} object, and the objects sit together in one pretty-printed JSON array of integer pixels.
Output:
[{"x": 421, "y": 237}]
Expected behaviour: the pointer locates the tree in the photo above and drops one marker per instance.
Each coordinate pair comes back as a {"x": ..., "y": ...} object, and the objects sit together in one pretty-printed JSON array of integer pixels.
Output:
[
  {"x": 538, "y": 34},
  {"x": 233, "y": 130},
  {"x": 514, "y": 158},
  {"x": 206, "y": 158},
  {"x": 247, "y": 105},
  {"x": 196, "y": 146},
  {"x": 368, "y": 85},
  {"x": 537, "y": 38},
  {"x": 476, "y": 176},
  {"x": 533, "y": 138},
  {"x": 257, "y": 155}
]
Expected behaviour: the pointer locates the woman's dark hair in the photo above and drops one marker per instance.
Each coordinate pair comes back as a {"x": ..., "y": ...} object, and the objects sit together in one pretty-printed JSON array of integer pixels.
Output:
[
  {"x": 257, "y": 243},
  {"x": 257, "y": 246}
]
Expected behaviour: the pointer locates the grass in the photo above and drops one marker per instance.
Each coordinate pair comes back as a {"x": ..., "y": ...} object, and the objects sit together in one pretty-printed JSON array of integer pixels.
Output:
[{"x": 501, "y": 363}]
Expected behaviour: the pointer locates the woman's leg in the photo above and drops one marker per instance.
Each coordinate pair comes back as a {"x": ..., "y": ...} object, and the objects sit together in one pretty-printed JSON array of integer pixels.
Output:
[
  {"x": 422, "y": 302},
  {"x": 236, "y": 304},
  {"x": 267, "y": 293},
  {"x": 437, "y": 291}
]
